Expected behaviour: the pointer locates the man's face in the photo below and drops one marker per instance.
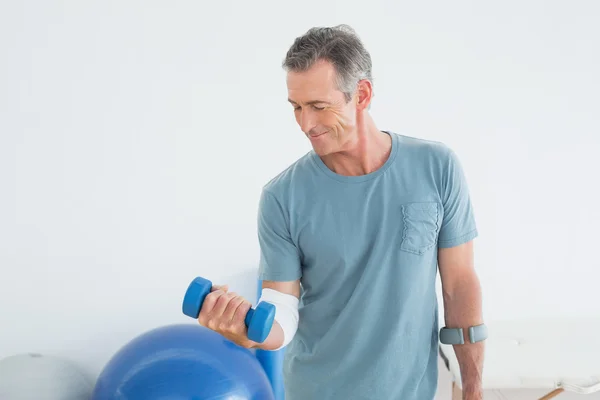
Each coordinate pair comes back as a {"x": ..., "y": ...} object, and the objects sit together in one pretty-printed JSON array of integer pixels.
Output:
[{"x": 321, "y": 109}]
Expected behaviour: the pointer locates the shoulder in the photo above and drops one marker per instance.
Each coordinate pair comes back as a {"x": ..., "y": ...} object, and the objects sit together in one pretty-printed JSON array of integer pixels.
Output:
[
  {"x": 421, "y": 147},
  {"x": 432, "y": 155},
  {"x": 430, "y": 161},
  {"x": 283, "y": 183}
]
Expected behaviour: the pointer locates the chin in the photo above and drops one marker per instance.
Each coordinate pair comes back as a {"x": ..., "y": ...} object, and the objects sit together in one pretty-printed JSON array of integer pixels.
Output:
[
  {"x": 323, "y": 145},
  {"x": 322, "y": 151}
]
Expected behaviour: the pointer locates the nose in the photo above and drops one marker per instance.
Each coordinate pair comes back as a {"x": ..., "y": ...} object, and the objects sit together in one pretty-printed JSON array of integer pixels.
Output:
[{"x": 307, "y": 120}]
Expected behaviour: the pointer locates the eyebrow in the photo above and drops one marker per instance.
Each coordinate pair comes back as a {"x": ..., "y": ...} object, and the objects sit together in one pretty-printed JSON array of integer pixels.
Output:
[{"x": 311, "y": 102}]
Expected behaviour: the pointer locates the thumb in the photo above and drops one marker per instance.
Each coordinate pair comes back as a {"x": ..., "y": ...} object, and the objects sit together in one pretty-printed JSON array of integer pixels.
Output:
[{"x": 224, "y": 288}]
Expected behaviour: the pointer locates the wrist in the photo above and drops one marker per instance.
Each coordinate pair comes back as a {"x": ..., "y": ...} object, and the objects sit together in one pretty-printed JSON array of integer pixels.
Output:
[{"x": 472, "y": 391}]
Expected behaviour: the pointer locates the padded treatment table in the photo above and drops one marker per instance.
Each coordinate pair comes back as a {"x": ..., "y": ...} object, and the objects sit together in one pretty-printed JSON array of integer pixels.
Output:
[{"x": 558, "y": 355}]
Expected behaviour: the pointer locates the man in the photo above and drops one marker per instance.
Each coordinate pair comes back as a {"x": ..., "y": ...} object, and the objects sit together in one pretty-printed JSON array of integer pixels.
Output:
[{"x": 351, "y": 236}]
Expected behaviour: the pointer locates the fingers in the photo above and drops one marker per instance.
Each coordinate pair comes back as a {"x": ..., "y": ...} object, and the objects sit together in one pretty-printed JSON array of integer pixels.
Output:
[
  {"x": 207, "y": 310},
  {"x": 218, "y": 318},
  {"x": 224, "y": 312},
  {"x": 239, "y": 316},
  {"x": 234, "y": 302}
]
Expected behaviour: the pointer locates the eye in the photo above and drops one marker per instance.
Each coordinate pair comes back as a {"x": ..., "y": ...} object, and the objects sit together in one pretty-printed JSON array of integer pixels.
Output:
[{"x": 316, "y": 108}]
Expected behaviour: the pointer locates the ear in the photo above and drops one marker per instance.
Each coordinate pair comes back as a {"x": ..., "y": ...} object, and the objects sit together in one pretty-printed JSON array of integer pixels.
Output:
[{"x": 364, "y": 94}]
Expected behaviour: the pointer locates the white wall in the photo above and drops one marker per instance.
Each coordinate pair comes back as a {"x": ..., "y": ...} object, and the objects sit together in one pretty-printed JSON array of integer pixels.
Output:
[{"x": 135, "y": 138}]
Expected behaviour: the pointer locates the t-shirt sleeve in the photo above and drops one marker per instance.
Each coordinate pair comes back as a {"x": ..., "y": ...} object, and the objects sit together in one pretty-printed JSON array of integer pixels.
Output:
[
  {"x": 458, "y": 224},
  {"x": 279, "y": 256}
]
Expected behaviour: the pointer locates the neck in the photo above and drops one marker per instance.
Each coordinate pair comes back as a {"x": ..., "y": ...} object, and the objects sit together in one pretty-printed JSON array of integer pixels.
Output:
[{"x": 367, "y": 151}]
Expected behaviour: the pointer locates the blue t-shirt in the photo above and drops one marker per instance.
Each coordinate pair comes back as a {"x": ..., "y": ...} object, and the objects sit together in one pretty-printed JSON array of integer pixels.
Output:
[{"x": 365, "y": 251}]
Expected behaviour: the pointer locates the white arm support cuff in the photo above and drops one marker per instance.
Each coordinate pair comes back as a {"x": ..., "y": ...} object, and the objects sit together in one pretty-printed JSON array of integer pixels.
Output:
[{"x": 286, "y": 312}]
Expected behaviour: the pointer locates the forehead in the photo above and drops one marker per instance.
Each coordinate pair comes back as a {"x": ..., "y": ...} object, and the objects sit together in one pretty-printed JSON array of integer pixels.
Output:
[{"x": 318, "y": 83}]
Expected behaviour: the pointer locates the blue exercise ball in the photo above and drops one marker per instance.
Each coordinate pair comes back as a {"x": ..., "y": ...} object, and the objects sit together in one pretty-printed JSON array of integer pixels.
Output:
[{"x": 183, "y": 362}]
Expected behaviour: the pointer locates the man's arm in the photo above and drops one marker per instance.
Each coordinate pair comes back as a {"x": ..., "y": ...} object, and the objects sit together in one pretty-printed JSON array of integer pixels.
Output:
[
  {"x": 462, "y": 309},
  {"x": 276, "y": 337}
]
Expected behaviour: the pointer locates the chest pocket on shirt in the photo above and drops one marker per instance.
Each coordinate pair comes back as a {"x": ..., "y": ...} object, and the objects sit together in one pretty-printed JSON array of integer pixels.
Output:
[{"x": 421, "y": 223}]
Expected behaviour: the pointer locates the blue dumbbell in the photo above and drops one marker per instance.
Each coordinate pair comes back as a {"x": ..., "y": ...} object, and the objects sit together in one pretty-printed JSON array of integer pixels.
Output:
[{"x": 259, "y": 321}]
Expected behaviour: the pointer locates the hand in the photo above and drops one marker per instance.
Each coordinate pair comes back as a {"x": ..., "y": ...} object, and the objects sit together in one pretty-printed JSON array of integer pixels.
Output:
[{"x": 225, "y": 312}]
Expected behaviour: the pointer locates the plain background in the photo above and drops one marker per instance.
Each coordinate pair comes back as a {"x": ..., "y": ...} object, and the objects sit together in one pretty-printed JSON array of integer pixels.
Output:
[{"x": 135, "y": 138}]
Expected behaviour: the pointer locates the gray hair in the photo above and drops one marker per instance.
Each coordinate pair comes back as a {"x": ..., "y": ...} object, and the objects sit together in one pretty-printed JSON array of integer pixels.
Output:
[{"x": 341, "y": 46}]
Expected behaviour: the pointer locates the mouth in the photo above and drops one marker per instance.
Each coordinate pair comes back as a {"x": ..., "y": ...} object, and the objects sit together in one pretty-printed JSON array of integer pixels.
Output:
[{"x": 317, "y": 135}]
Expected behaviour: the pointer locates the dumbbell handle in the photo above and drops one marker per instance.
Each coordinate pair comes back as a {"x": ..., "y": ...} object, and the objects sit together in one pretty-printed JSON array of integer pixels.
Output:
[{"x": 259, "y": 321}]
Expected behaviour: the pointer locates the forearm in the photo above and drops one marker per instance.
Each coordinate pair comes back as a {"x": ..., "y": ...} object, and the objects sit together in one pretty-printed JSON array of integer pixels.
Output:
[
  {"x": 274, "y": 340},
  {"x": 285, "y": 297},
  {"x": 462, "y": 309}
]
